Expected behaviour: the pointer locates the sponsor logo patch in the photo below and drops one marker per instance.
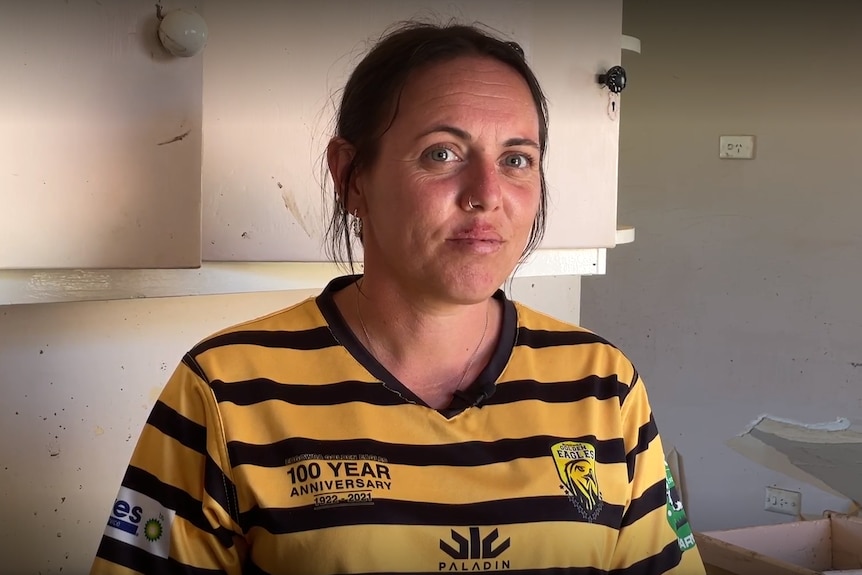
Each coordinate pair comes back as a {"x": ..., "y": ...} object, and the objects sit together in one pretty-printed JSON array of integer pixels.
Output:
[
  {"x": 576, "y": 466},
  {"x": 474, "y": 552},
  {"x": 141, "y": 521},
  {"x": 676, "y": 514}
]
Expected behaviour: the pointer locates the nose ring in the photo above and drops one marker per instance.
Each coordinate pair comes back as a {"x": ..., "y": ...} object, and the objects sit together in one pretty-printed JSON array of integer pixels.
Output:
[{"x": 471, "y": 205}]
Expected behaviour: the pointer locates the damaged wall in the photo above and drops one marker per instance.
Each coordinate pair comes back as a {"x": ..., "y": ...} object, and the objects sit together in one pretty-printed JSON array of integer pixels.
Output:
[
  {"x": 741, "y": 294},
  {"x": 828, "y": 455}
]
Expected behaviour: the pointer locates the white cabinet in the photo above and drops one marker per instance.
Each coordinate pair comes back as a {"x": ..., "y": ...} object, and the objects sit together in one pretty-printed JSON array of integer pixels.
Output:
[
  {"x": 100, "y": 139},
  {"x": 115, "y": 155},
  {"x": 272, "y": 73}
]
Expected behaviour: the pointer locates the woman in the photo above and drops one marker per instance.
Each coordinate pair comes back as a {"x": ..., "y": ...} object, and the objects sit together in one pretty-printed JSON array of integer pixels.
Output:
[{"x": 411, "y": 419}]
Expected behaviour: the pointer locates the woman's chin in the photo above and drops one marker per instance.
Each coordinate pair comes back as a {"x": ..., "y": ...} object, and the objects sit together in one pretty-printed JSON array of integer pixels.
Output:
[{"x": 473, "y": 284}]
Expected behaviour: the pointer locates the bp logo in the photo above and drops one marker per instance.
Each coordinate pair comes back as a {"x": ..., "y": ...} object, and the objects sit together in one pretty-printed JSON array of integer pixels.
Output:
[
  {"x": 153, "y": 530},
  {"x": 576, "y": 466},
  {"x": 676, "y": 514},
  {"x": 141, "y": 521}
]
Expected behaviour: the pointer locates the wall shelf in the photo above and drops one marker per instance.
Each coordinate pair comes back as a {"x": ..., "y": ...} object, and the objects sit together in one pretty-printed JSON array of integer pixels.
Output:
[
  {"x": 631, "y": 44},
  {"x": 218, "y": 278},
  {"x": 625, "y": 235},
  {"x": 213, "y": 278}
]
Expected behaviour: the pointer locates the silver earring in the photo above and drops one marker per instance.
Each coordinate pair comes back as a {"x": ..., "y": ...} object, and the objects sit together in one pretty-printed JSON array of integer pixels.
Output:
[{"x": 356, "y": 224}]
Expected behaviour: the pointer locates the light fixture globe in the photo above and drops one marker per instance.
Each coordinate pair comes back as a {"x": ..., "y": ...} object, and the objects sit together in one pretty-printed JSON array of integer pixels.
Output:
[{"x": 183, "y": 32}]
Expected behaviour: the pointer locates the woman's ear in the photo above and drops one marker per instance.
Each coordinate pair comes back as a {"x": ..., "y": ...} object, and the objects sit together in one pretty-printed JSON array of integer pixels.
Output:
[{"x": 339, "y": 155}]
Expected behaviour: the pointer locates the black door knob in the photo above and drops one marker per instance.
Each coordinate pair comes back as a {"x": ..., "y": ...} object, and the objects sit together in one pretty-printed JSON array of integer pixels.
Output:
[{"x": 614, "y": 79}]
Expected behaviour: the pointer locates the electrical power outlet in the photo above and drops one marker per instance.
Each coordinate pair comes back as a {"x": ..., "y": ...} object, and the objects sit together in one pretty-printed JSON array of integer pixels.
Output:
[
  {"x": 736, "y": 147},
  {"x": 783, "y": 501}
]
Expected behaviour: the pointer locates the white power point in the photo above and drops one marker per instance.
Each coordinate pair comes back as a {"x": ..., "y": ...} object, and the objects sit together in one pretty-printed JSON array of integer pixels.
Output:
[
  {"x": 736, "y": 147},
  {"x": 783, "y": 501}
]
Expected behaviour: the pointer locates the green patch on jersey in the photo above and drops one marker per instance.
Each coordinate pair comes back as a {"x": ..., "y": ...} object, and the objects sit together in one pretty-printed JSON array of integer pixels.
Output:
[{"x": 676, "y": 514}]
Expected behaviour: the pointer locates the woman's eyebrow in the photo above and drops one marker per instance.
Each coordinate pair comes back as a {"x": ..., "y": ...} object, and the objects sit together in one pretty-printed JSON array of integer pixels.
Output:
[
  {"x": 520, "y": 142},
  {"x": 457, "y": 132},
  {"x": 465, "y": 135}
]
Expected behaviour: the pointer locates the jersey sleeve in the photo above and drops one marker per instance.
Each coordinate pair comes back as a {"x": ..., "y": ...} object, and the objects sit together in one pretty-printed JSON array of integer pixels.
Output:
[
  {"x": 655, "y": 536},
  {"x": 176, "y": 510}
]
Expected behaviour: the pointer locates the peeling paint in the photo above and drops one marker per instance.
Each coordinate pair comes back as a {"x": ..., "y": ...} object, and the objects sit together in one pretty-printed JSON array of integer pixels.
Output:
[{"x": 293, "y": 208}]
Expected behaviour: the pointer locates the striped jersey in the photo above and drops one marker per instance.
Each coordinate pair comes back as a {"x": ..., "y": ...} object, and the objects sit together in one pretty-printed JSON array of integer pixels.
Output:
[{"x": 281, "y": 446}]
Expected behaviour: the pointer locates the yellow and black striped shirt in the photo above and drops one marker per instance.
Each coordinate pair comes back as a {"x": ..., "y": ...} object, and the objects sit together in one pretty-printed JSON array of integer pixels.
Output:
[{"x": 281, "y": 446}]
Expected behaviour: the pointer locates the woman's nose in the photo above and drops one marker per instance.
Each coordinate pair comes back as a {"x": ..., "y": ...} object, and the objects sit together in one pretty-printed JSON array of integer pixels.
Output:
[{"x": 482, "y": 188}]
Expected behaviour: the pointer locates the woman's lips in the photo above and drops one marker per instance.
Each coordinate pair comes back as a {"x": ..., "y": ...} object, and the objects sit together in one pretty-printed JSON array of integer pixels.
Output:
[{"x": 480, "y": 239}]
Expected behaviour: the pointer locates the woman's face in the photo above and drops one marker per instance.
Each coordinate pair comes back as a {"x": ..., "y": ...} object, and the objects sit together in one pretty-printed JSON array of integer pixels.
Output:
[{"x": 465, "y": 131}]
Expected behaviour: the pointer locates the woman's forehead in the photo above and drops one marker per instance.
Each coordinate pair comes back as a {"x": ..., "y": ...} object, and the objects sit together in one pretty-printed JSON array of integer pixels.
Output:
[{"x": 471, "y": 89}]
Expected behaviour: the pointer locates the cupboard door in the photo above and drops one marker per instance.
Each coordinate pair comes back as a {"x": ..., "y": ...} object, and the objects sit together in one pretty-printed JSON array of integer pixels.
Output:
[
  {"x": 100, "y": 138},
  {"x": 272, "y": 74}
]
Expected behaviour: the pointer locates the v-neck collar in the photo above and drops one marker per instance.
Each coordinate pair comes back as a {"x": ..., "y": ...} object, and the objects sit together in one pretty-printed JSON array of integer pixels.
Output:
[{"x": 474, "y": 395}]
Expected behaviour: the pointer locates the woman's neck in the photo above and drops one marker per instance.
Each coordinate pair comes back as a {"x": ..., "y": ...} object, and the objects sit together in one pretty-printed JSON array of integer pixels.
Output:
[{"x": 433, "y": 348}]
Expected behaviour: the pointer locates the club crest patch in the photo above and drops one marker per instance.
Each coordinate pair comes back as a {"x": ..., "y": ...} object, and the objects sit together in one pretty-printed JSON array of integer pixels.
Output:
[{"x": 576, "y": 466}]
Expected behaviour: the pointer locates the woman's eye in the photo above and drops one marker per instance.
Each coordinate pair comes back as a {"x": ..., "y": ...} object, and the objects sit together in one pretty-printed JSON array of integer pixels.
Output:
[
  {"x": 442, "y": 155},
  {"x": 518, "y": 161}
]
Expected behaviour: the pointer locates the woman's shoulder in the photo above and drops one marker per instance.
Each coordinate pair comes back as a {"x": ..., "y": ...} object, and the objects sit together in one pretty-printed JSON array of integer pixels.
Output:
[
  {"x": 532, "y": 320},
  {"x": 582, "y": 347},
  {"x": 303, "y": 316}
]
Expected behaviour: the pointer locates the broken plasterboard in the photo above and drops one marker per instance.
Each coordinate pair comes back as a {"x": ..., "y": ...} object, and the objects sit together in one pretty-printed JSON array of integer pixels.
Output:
[{"x": 828, "y": 456}]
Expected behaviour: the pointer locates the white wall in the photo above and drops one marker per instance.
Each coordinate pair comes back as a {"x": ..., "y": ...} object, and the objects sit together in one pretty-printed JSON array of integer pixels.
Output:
[
  {"x": 77, "y": 381},
  {"x": 741, "y": 294}
]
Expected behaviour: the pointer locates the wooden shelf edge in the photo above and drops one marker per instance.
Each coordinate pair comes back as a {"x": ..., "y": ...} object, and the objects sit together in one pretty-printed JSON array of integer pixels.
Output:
[
  {"x": 562, "y": 262},
  {"x": 218, "y": 278},
  {"x": 212, "y": 278}
]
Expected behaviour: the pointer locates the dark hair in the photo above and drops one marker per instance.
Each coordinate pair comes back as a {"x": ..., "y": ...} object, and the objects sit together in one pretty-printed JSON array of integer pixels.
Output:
[{"x": 372, "y": 91}]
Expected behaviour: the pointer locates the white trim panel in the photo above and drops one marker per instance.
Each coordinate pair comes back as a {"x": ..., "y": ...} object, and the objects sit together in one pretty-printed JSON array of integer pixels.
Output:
[{"x": 212, "y": 278}]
